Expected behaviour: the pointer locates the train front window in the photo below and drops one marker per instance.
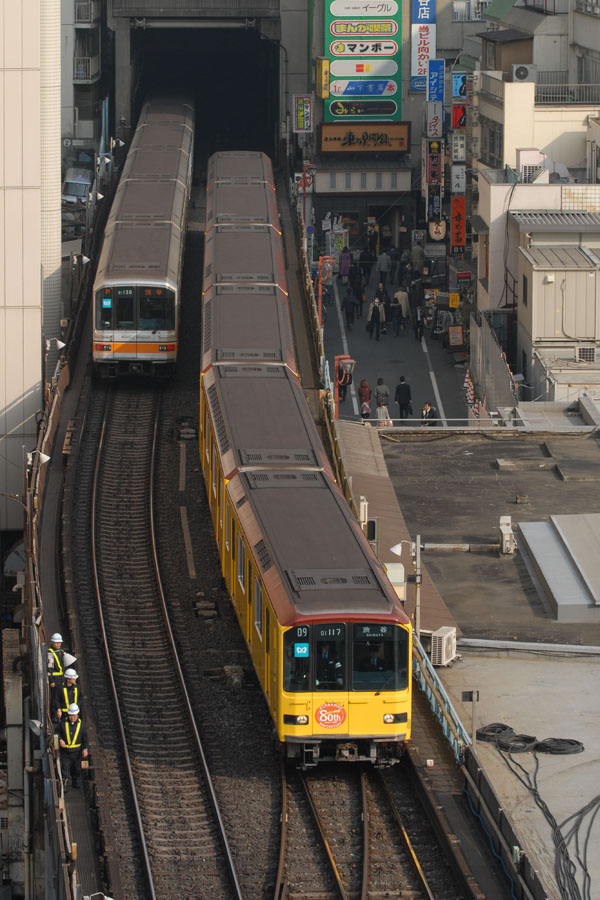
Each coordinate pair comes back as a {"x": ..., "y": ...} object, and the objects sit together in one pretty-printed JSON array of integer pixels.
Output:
[
  {"x": 379, "y": 657},
  {"x": 329, "y": 644},
  {"x": 296, "y": 659},
  {"x": 157, "y": 309},
  {"x": 104, "y": 310},
  {"x": 124, "y": 308}
]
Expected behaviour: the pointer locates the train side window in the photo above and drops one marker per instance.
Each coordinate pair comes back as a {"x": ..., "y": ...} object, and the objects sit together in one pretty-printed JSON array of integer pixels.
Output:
[
  {"x": 330, "y": 656},
  {"x": 267, "y": 631},
  {"x": 296, "y": 659},
  {"x": 241, "y": 562},
  {"x": 258, "y": 607},
  {"x": 379, "y": 657},
  {"x": 215, "y": 466},
  {"x": 227, "y": 519},
  {"x": 207, "y": 434},
  {"x": 221, "y": 500},
  {"x": 104, "y": 310},
  {"x": 124, "y": 309}
]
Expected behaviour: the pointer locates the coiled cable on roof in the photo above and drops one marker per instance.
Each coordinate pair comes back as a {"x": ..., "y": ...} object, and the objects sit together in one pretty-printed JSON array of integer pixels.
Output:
[
  {"x": 559, "y": 746},
  {"x": 490, "y": 733},
  {"x": 517, "y": 743}
]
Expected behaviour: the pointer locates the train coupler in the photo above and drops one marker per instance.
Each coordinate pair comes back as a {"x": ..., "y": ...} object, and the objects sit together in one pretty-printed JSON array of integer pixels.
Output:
[{"x": 346, "y": 752}]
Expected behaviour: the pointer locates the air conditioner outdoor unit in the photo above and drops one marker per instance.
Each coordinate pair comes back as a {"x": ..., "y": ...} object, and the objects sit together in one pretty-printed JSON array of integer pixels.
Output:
[
  {"x": 443, "y": 646},
  {"x": 524, "y": 72}
]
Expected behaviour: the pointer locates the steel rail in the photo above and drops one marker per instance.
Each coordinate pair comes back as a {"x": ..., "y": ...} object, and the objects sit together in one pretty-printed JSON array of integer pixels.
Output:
[
  {"x": 281, "y": 885},
  {"x": 319, "y": 823},
  {"x": 111, "y": 676},
  {"x": 420, "y": 874},
  {"x": 364, "y": 894},
  {"x": 176, "y": 666}
]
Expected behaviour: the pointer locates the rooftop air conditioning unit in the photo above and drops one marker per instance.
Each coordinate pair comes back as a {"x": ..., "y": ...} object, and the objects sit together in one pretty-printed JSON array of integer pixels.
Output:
[
  {"x": 524, "y": 72},
  {"x": 443, "y": 646}
]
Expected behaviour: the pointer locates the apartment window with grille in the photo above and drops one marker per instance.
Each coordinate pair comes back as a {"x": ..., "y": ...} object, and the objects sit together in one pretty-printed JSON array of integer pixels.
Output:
[
  {"x": 332, "y": 184},
  {"x": 468, "y": 10},
  {"x": 394, "y": 181},
  {"x": 591, "y": 7},
  {"x": 378, "y": 181},
  {"x": 347, "y": 180},
  {"x": 363, "y": 180},
  {"x": 586, "y": 354},
  {"x": 492, "y": 142}
]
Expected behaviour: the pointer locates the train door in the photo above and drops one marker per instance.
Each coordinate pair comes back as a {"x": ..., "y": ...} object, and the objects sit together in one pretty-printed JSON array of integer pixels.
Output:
[
  {"x": 329, "y": 668},
  {"x": 268, "y": 656}
]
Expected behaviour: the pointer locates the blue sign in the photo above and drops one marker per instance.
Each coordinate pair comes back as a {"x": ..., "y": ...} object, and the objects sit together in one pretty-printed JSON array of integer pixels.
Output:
[
  {"x": 371, "y": 88},
  {"x": 301, "y": 650},
  {"x": 459, "y": 85},
  {"x": 422, "y": 41},
  {"x": 435, "y": 80},
  {"x": 310, "y": 230},
  {"x": 106, "y": 302}
]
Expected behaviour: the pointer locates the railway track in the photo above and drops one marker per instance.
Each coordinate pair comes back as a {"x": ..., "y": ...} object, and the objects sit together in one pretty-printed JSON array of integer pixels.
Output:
[
  {"x": 180, "y": 831},
  {"x": 343, "y": 836}
]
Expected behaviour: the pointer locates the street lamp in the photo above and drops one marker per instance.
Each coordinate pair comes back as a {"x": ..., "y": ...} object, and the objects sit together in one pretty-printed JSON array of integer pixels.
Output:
[
  {"x": 344, "y": 367},
  {"x": 324, "y": 274},
  {"x": 415, "y": 552}
]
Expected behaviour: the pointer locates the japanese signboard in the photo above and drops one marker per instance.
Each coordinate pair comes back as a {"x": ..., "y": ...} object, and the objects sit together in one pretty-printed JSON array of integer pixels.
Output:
[
  {"x": 459, "y": 178},
  {"x": 422, "y": 39},
  {"x": 454, "y": 301},
  {"x": 302, "y": 113},
  {"x": 384, "y": 137},
  {"x": 434, "y": 208},
  {"x": 435, "y": 163},
  {"x": 322, "y": 79},
  {"x": 459, "y": 115},
  {"x": 458, "y": 224},
  {"x": 459, "y": 146},
  {"x": 363, "y": 43},
  {"x": 435, "y": 119},
  {"x": 455, "y": 336},
  {"x": 435, "y": 80},
  {"x": 459, "y": 85}
]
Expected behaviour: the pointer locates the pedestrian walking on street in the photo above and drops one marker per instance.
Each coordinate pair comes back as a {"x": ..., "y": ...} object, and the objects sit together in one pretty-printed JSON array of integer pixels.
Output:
[
  {"x": 384, "y": 265},
  {"x": 394, "y": 255},
  {"x": 403, "y": 397},
  {"x": 419, "y": 322},
  {"x": 349, "y": 305},
  {"x": 383, "y": 297},
  {"x": 366, "y": 264},
  {"x": 375, "y": 318},
  {"x": 364, "y": 398},
  {"x": 429, "y": 415},
  {"x": 417, "y": 257},
  {"x": 73, "y": 743},
  {"x": 396, "y": 314},
  {"x": 345, "y": 261},
  {"x": 382, "y": 393},
  {"x": 343, "y": 380},
  {"x": 372, "y": 241},
  {"x": 355, "y": 279}
]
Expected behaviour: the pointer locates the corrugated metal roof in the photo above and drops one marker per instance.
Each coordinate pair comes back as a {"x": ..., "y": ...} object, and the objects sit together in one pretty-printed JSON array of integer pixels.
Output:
[
  {"x": 556, "y": 220},
  {"x": 505, "y": 35},
  {"x": 560, "y": 258}
]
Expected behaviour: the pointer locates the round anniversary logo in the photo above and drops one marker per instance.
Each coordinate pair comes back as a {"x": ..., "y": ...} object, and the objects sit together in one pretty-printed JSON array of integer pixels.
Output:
[{"x": 330, "y": 715}]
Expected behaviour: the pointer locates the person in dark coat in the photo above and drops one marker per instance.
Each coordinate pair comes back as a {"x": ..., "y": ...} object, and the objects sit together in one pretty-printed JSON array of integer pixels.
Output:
[
  {"x": 329, "y": 668},
  {"x": 349, "y": 304},
  {"x": 345, "y": 262},
  {"x": 344, "y": 380},
  {"x": 375, "y": 318},
  {"x": 73, "y": 743},
  {"x": 419, "y": 322},
  {"x": 403, "y": 397},
  {"x": 394, "y": 255},
  {"x": 355, "y": 278},
  {"x": 65, "y": 695},
  {"x": 429, "y": 415}
]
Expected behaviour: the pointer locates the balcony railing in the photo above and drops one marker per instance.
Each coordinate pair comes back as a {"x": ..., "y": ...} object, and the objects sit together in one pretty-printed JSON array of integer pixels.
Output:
[
  {"x": 468, "y": 10},
  {"x": 87, "y": 12},
  {"x": 551, "y": 7},
  {"x": 558, "y": 94},
  {"x": 86, "y": 68}
]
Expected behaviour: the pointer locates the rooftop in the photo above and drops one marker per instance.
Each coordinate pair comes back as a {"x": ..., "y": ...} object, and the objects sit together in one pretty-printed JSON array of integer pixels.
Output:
[
  {"x": 548, "y": 220},
  {"x": 560, "y": 258}
]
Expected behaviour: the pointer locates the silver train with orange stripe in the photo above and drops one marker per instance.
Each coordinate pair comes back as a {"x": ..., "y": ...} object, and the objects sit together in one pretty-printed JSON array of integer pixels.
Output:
[
  {"x": 137, "y": 290},
  {"x": 328, "y": 636}
]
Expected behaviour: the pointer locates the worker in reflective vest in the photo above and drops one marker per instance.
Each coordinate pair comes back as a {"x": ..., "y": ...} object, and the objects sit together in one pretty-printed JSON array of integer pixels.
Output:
[
  {"x": 65, "y": 695},
  {"x": 72, "y": 739},
  {"x": 55, "y": 661}
]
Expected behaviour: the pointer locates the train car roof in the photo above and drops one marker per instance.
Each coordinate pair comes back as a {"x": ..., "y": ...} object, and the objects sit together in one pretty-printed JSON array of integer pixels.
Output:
[
  {"x": 241, "y": 254},
  {"x": 150, "y": 162},
  {"x": 141, "y": 252},
  {"x": 313, "y": 557},
  {"x": 240, "y": 166},
  {"x": 168, "y": 109},
  {"x": 249, "y": 323},
  {"x": 261, "y": 418},
  {"x": 164, "y": 136},
  {"x": 228, "y": 203},
  {"x": 148, "y": 201}
]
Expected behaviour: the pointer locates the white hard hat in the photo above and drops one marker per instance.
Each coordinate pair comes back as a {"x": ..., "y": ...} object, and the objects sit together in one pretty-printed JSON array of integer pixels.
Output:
[
  {"x": 71, "y": 673},
  {"x": 68, "y": 660},
  {"x": 56, "y": 638},
  {"x": 73, "y": 710}
]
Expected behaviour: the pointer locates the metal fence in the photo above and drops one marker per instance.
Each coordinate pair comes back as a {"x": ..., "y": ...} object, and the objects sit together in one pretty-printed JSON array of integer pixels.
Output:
[
  {"x": 489, "y": 369},
  {"x": 558, "y": 94}
]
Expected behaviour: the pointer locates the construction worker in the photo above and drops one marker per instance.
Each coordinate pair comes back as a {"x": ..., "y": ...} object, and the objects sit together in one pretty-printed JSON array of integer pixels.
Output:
[
  {"x": 58, "y": 661},
  {"x": 73, "y": 742},
  {"x": 65, "y": 695}
]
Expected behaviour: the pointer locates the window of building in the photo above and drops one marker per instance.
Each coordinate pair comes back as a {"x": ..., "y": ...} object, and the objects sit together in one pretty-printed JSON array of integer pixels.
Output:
[
  {"x": 348, "y": 180},
  {"x": 524, "y": 291},
  {"x": 394, "y": 181},
  {"x": 363, "y": 180},
  {"x": 332, "y": 184},
  {"x": 258, "y": 607},
  {"x": 468, "y": 10},
  {"x": 378, "y": 181},
  {"x": 492, "y": 142},
  {"x": 490, "y": 55},
  {"x": 241, "y": 562}
]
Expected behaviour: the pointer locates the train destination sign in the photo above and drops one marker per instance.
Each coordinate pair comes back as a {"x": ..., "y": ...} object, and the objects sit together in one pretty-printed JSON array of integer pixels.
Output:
[
  {"x": 364, "y": 88},
  {"x": 363, "y": 48},
  {"x": 384, "y": 137},
  {"x": 366, "y": 28},
  {"x": 357, "y": 109}
]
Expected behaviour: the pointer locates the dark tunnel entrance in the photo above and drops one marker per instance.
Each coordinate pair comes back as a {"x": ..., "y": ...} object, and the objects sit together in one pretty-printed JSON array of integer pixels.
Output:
[{"x": 233, "y": 75}]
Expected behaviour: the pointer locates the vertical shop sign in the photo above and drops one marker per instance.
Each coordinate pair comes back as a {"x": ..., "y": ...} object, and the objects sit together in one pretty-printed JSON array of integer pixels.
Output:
[
  {"x": 422, "y": 40},
  {"x": 435, "y": 163},
  {"x": 458, "y": 224},
  {"x": 434, "y": 204},
  {"x": 459, "y": 178},
  {"x": 459, "y": 85},
  {"x": 435, "y": 80},
  {"x": 322, "y": 80},
  {"x": 435, "y": 119},
  {"x": 459, "y": 115},
  {"x": 302, "y": 113},
  {"x": 459, "y": 146}
]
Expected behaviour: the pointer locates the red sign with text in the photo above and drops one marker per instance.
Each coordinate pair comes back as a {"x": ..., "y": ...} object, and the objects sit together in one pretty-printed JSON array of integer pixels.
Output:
[{"x": 458, "y": 224}]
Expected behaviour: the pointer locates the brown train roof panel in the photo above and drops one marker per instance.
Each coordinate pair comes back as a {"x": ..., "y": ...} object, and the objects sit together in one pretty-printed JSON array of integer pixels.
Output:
[
  {"x": 243, "y": 254},
  {"x": 240, "y": 166},
  {"x": 243, "y": 203}
]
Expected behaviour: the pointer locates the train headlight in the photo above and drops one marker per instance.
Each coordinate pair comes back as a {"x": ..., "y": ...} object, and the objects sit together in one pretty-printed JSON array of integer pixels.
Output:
[
  {"x": 103, "y": 348},
  {"x": 295, "y": 720},
  {"x": 394, "y": 718}
]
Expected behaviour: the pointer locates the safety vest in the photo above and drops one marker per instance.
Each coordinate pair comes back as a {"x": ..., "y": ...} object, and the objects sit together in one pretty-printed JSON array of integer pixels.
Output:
[
  {"x": 66, "y": 696},
  {"x": 58, "y": 670},
  {"x": 72, "y": 742}
]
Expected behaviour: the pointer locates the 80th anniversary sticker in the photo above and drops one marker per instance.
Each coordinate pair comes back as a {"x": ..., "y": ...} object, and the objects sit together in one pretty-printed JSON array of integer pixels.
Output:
[{"x": 330, "y": 715}]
